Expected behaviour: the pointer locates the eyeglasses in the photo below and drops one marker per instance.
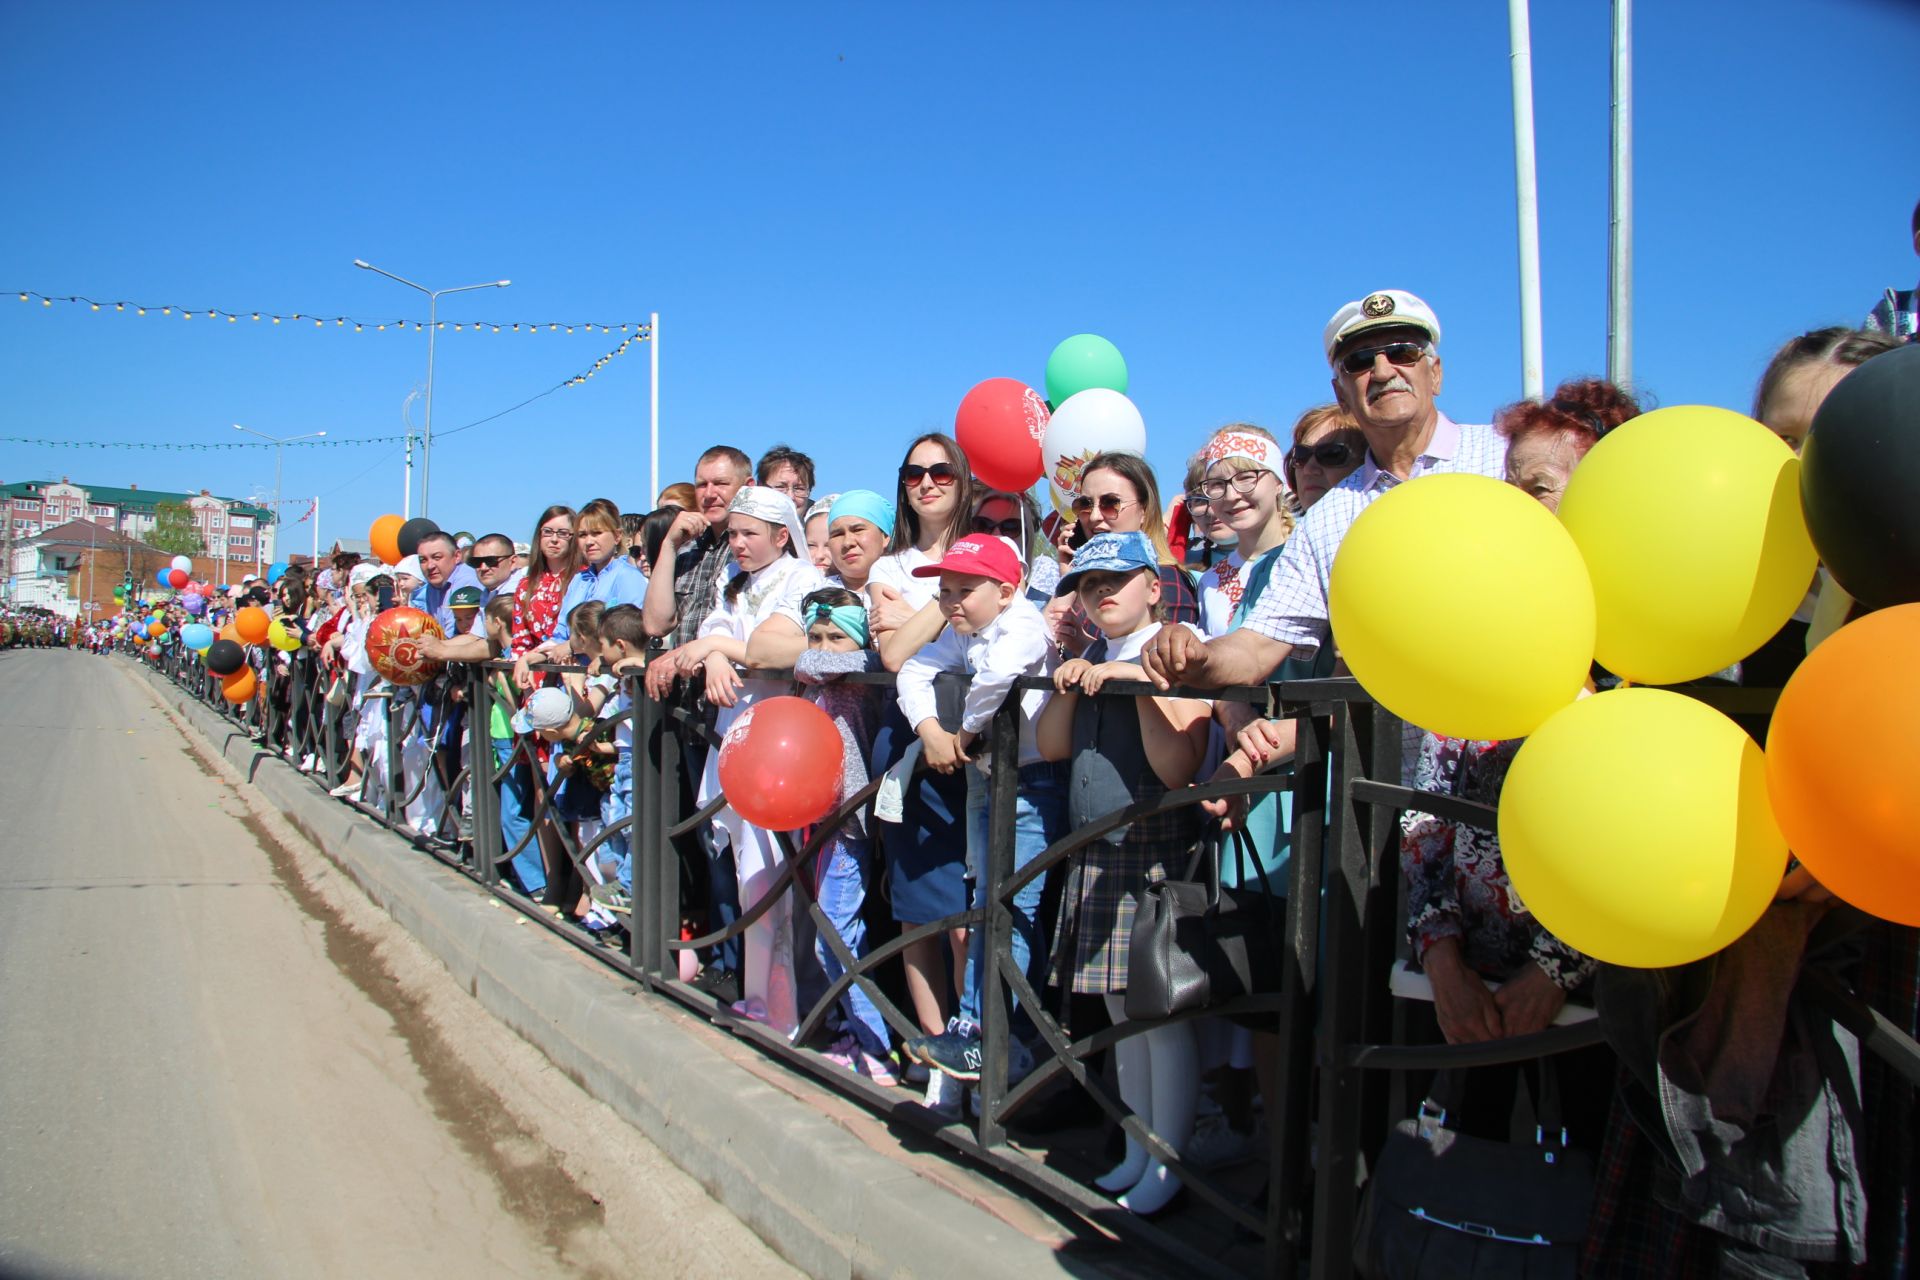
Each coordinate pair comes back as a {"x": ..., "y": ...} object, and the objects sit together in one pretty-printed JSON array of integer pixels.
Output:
[
  {"x": 1005, "y": 528},
  {"x": 1332, "y": 453},
  {"x": 1110, "y": 504},
  {"x": 485, "y": 562},
  {"x": 1403, "y": 354},
  {"x": 1197, "y": 503},
  {"x": 559, "y": 532},
  {"x": 1240, "y": 482},
  {"x": 941, "y": 473}
]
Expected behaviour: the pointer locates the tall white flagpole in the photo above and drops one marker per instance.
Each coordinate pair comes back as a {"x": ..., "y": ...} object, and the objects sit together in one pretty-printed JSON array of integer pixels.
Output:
[
  {"x": 1527, "y": 196},
  {"x": 1620, "y": 199}
]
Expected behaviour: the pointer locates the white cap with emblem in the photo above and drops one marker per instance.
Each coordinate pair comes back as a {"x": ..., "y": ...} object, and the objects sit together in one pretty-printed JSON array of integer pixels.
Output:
[{"x": 1384, "y": 309}]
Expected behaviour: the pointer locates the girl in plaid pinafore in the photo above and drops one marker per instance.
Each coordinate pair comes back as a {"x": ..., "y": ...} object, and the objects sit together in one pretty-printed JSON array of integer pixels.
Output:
[{"x": 1122, "y": 750}]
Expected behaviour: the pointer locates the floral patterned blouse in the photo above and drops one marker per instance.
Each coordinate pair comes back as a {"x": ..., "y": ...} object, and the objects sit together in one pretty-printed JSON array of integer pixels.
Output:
[
  {"x": 1457, "y": 885},
  {"x": 536, "y": 612}
]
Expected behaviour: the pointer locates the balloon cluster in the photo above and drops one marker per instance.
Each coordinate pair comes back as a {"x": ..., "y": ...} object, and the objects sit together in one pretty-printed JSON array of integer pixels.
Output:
[
  {"x": 1635, "y": 824},
  {"x": 1012, "y": 437},
  {"x": 393, "y": 539}
]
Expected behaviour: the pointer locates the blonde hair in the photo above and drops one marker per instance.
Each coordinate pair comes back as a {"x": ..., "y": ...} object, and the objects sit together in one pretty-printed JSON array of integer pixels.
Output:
[{"x": 1285, "y": 506}]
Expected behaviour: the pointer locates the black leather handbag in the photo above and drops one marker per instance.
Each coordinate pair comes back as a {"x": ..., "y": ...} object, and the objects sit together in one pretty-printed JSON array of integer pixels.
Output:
[
  {"x": 1195, "y": 945},
  {"x": 1442, "y": 1205}
]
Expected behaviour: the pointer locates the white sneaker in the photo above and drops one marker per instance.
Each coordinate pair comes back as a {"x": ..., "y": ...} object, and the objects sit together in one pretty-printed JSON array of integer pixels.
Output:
[
  {"x": 944, "y": 1094},
  {"x": 344, "y": 790}
]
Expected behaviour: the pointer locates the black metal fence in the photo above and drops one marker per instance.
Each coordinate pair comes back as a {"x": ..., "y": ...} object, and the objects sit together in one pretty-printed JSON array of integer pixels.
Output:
[{"x": 1333, "y": 1014}]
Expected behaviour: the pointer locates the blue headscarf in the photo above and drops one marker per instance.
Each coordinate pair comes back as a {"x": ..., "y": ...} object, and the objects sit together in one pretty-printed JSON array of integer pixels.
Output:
[
  {"x": 867, "y": 505},
  {"x": 850, "y": 618}
]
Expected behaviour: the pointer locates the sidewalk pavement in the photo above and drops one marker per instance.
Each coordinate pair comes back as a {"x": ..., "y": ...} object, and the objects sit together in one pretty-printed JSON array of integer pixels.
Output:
[{"x": 825, "y": 1182}]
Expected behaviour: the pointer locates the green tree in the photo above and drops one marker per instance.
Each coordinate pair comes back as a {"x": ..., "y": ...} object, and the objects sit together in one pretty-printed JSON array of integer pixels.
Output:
[{"x": 174, "y": 531}]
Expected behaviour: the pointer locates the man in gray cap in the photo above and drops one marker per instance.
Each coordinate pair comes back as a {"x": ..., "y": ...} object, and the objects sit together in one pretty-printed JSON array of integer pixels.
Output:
[{"x": 1384, "y": 349}]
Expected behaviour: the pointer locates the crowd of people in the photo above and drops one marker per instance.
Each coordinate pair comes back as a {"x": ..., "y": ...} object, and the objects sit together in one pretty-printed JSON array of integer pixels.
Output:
[{"x": 748, "y": 571}]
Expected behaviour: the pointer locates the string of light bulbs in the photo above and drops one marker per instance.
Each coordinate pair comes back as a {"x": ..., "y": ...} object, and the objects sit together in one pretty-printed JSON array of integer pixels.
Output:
[
  {"x": 638, "y": 328},
  {"x": 339, "y": 442}
]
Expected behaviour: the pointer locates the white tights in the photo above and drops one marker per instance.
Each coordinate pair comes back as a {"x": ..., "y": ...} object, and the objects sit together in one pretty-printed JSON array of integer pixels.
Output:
[
  {"x": 766, "y": 960},
  {"x": 1160, "y": 1082}
]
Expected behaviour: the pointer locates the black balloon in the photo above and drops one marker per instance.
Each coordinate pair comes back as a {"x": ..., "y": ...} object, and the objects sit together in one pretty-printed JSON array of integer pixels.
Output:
[
  {"x": 224, "y": 657},
  {"x": 412, "y": 531},
  {"x": 1860, "y": 476}
]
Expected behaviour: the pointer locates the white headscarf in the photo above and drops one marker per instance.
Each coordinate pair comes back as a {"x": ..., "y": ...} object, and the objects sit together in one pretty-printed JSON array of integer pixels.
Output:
[{"x": 774, "y": 507}]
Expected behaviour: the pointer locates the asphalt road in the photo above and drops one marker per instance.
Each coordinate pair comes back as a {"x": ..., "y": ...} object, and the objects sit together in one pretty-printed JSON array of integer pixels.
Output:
[{"x": 216, "y": 1059}]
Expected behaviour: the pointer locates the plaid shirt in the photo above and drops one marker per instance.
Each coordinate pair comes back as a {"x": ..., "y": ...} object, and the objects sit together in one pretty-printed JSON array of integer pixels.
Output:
[
  {"x": 1293, "y": 610},
  {"x": 1897, "y": 313},
  {"x": 696, "y": 571}
]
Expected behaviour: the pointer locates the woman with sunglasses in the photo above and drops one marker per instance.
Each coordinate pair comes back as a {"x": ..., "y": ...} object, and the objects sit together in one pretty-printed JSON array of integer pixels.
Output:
[
  {"x": 1328, "y": 446},
  {"x": 932, "y": 505},
  {"x": 1118, "y": 494},
  {"x": 926, "y": 852}
]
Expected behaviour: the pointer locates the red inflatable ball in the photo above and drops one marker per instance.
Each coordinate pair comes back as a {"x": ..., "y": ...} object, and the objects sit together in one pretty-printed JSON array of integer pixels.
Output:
[
  {"x": 178, "y": 578},
  {"x": 999, "y": 426},
  {"x": 780, "y": 764},
  {"x": 393, "y": 645}
]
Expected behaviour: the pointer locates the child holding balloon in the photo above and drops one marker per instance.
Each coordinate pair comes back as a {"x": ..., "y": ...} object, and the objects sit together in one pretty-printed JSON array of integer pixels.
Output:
[
  {"x": 770, "y": 572},
  {"x": 837, "y": 635}
]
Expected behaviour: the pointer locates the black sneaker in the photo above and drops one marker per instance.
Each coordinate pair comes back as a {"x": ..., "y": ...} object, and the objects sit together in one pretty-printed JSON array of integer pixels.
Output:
[
  {"x": 954, "y": 1053},
  {"x": 722, "y": 984}
]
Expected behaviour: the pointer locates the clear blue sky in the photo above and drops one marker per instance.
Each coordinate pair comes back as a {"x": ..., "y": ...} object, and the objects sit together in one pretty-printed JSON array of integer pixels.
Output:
[{"x": 848, "y": 214}]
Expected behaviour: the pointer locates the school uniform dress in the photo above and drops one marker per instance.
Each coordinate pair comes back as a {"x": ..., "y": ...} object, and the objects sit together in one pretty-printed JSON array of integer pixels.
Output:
[{"x": 1109, "y": 771}]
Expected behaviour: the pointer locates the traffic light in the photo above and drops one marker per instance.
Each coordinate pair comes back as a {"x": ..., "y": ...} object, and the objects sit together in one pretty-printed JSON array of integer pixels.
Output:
[{"x": 127, "y": 581}]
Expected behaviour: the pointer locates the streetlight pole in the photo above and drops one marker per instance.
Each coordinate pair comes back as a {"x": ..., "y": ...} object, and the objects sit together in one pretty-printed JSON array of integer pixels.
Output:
[
  {"x": 279, "y": 446},
  {"x": 433, "y": 327}
]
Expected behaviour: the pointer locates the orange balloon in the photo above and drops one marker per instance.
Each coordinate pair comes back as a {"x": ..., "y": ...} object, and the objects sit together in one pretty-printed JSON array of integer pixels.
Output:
[
  {"x": 229, "y": 633},
  {"x": 385, "y": 537},
  {"x": 252, "y": 623},
  {"x": 1842, "y": 762},
  {"x": 239, "y": 687}
]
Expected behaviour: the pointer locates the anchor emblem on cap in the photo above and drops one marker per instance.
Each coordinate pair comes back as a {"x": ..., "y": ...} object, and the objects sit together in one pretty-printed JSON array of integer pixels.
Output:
[{"x": 1376, "y": 305}]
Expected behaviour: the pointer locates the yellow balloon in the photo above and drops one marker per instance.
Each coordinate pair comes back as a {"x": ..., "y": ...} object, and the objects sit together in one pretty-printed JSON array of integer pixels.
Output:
[
  {"x": 1635, "y": 826},
  {"x": 1463, "y": 607},
  {"x": 1689, "y": 519},
  {"x": 281, "y": 638}
]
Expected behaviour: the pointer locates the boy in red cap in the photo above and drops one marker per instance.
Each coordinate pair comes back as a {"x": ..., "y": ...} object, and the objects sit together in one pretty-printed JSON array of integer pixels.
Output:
[{"x": 994, "y": 635}]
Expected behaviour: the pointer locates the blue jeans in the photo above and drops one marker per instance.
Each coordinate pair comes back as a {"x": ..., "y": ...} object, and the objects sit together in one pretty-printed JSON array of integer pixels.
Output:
[
  {"x": 615, "y": 805},
  {"x": 516, "y": 799},
  {"x": 1039, "y": 818},
  {"x": 842, "y": 893}
]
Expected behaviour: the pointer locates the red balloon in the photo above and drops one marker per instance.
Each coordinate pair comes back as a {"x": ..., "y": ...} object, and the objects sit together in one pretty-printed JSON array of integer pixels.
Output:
[
  {"x": 393, "y": 645},
  {"x": 780, "y": 764},
  {"x": 177, "y": 578},
  {"x": 999, "y": 426}
]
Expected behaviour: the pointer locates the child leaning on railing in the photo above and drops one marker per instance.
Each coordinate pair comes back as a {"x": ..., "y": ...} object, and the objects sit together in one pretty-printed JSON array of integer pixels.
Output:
[{"x": 836, "y": 626}]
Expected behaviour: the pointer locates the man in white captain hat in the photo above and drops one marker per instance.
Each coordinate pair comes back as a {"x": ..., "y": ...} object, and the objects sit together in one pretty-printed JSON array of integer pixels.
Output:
[{"x": 1385, "y": 353}]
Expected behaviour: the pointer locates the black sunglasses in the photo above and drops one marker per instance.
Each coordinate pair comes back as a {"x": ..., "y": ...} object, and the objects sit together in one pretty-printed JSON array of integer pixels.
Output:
[
  {"x": 485, "y": 562},
  {"x": 941, "y": 473},
  {"x": 1403, "y": 354},
  {"x": 1005, "y": 528},
  {"x": 1333, "y": 453}
]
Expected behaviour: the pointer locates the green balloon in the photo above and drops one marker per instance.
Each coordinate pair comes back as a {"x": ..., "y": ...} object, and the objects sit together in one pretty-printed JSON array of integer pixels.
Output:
[{"x": 1082, "y": 361}]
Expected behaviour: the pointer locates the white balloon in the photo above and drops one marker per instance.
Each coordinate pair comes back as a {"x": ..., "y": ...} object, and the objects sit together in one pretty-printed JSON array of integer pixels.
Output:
[
  {"x": 1097, "y": 420},
  {"x": 183, "y": 564}
]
